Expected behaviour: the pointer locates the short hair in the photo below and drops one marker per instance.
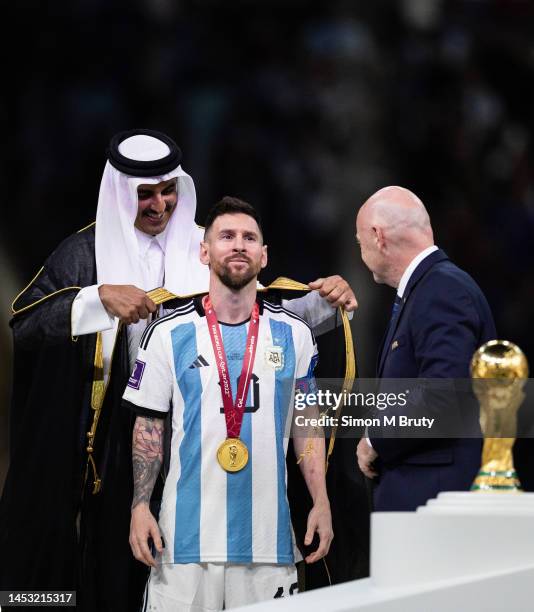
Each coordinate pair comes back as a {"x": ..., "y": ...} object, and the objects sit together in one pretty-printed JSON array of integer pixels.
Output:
[{"x": 231, "y": 206}]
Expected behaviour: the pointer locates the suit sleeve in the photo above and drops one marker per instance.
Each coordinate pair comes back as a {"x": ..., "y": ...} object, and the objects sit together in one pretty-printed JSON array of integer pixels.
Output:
[{"x": 445, "y": 330}]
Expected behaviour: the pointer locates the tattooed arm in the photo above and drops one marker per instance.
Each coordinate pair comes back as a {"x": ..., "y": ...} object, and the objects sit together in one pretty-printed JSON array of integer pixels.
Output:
[
  {"x": 309, "y": 445},
  {"x": 147, "y": 455}
]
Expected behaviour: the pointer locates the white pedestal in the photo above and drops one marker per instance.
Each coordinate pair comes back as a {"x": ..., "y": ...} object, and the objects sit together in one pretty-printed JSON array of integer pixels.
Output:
[{"x": 462, "y": 551}]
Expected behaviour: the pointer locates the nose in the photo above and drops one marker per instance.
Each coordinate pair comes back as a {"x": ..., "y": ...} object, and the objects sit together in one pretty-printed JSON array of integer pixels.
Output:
[
  {"x": 158, "y": 203},
  {"x": 239, "y": 243}
]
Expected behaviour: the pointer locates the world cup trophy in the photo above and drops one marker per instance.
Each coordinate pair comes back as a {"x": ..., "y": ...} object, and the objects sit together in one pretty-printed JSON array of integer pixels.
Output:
[{"x": 499, "y": 370}]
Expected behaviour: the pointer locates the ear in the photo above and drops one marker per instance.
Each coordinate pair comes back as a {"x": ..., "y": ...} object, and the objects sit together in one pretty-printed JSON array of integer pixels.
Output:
[
  {"x": 204, "y": 253},
  {"x": 380, "y": 238},
  {"x": 264, "y": 257}
]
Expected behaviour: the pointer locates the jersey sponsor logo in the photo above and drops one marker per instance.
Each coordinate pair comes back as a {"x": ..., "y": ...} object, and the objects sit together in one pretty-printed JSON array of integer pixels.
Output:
[
  {"x": 274, "y": 357},
  {"x": 199, "y": 362},
  {"x": 135, "y": 379}
]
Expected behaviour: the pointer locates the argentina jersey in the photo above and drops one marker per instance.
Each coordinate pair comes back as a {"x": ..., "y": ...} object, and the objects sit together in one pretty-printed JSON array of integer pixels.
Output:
[{"x": 208, "y": 514}]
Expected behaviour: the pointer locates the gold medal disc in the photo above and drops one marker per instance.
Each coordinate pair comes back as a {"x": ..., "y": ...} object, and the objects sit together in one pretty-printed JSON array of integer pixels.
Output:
[{"x": 232, "y": 455}]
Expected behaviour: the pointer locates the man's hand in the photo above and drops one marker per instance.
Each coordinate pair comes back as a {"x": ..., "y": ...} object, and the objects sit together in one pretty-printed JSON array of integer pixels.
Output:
[
  {"x": 143, "y": 526},
  {"x": 320, "y": 521},
  {"x": 366, "y": 455},
  {"x": 126, "y": 302},
  {"x": 337, "y": 291}
]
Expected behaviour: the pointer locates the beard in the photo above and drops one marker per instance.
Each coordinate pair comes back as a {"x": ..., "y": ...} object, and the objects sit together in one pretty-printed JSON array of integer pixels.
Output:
[{"x": 237, "y": 280}]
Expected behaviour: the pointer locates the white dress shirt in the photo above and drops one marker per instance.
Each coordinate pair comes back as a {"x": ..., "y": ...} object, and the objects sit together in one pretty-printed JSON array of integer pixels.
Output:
[{"x": 411, "y": 267}]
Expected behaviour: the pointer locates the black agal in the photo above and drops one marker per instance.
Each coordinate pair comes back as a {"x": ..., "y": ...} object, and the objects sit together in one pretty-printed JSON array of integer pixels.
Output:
[{"x": 144, "y": 168}]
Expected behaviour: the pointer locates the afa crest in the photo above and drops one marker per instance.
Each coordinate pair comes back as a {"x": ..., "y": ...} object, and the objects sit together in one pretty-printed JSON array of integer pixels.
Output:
[{"x": 274, "y": 357}]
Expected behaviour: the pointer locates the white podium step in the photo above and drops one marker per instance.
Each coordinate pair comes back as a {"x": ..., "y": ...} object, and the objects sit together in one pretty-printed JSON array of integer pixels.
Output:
[
  {"x": 502, "y": 592},
  {"x": 462, "y": 552}
]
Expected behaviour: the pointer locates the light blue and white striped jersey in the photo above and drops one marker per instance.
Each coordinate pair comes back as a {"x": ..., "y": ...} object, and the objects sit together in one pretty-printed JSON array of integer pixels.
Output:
[{"x": 207, "y": 514}]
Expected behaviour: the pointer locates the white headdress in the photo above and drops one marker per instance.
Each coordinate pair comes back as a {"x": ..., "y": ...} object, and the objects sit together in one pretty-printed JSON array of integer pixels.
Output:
[{"x": 146, "y": 157}]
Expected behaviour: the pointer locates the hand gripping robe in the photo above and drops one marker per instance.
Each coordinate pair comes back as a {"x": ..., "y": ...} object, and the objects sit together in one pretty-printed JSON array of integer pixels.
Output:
[{"x": 64, "y": 518}]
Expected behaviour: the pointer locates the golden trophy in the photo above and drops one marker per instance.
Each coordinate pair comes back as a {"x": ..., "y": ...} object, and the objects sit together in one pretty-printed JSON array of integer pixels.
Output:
[{"x": 499, "y": 370}]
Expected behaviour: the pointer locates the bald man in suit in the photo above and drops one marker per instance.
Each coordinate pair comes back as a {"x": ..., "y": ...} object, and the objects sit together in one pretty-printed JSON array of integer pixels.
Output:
[{"x": 440, "y": 317}]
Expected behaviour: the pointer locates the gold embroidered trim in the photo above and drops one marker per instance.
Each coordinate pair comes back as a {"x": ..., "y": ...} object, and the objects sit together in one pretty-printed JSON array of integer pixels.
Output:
[
  {"x": 98, "y": 393},
  {"x": 161, "y": 295},
  {"x": 46, "y": 297},
  {"x": 27, "y": 287},
  {"x": 283, "y": 282},
  {"x": 97, "y": 399},
  {"x": 86, "y": 227},
  {"x": 14, "y": 311},
  {"x": 348, "y": 381}
]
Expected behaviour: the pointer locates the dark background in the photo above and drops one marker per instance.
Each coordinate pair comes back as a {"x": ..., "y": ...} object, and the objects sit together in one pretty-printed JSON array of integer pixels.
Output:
[{"x": 304, "y": 109}]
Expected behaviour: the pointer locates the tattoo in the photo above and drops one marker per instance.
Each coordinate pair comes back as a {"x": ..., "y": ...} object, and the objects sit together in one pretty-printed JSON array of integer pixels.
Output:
[{"x": 147, "y": 456}]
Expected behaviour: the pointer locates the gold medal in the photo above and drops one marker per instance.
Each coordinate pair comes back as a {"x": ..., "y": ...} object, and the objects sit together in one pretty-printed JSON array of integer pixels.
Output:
[{"x": 232, "y": 455}]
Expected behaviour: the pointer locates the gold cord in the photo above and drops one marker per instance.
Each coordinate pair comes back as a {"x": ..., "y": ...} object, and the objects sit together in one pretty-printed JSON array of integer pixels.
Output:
[
  {"x": 97, "y": 399},
  {"x": 348, "y": 381}
]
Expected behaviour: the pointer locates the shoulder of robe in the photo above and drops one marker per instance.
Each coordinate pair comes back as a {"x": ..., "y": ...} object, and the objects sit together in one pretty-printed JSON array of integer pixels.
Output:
[{"x": 70, "y": 267}]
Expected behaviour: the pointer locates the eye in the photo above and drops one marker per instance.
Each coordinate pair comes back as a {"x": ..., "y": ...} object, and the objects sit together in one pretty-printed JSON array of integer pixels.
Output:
[{"x": 143, "y": 195}]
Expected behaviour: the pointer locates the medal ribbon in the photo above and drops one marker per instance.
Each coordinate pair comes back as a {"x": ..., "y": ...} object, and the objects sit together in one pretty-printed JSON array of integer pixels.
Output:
[{"x": 233, "y": 413}]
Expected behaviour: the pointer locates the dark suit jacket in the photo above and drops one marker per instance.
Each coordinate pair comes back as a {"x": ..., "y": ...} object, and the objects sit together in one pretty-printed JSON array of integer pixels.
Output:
[{"x": 443, "y": 318}]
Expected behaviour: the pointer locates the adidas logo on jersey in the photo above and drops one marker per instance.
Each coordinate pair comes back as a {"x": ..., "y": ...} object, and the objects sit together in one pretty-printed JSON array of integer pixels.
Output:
[{"x": 199, "y": 362}]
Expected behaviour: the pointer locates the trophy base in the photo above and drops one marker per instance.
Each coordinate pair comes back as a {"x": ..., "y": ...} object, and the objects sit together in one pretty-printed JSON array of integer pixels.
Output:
[{"x": 497, "y": 481}]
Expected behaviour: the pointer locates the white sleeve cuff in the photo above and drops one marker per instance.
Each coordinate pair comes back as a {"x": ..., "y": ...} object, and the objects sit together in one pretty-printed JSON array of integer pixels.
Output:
[
  {"x": 369, "y": 442},
  {"x": 88, "y": 314}
]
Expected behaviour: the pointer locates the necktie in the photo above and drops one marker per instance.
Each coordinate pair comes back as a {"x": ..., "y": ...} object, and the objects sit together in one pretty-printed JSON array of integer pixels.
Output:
[
  {"x": 389, "y": 332},
  {"x": 396, "y": 306}
]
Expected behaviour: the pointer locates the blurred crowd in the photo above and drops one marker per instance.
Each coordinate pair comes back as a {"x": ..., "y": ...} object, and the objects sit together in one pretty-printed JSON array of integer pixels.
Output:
[{"x": 304, "y": 108}]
